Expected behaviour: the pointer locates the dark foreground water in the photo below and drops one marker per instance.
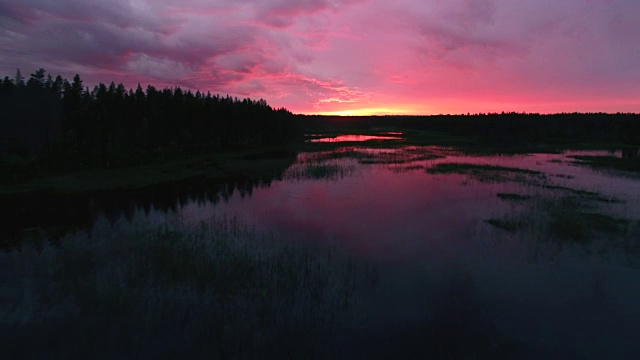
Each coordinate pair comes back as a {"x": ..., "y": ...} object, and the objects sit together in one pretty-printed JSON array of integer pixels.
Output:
[
  {"x": 544, "y": 261},
  {"x": 515, "y": 256}
]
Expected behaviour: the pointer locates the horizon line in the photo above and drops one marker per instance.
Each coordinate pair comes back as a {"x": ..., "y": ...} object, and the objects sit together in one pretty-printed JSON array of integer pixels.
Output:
[{"x": 467, "y": 114}]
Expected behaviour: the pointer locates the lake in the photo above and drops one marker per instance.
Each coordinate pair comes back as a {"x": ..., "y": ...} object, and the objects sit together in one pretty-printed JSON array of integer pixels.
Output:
[{"x": 532, "y": 254}]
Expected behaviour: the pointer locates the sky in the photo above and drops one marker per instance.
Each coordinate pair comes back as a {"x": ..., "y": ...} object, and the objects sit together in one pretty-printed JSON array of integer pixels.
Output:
[{"x": 344, "y": 57}]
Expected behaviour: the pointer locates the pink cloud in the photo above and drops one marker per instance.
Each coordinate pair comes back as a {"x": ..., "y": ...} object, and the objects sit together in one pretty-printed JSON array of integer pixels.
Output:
[{"x": 344, "y": 56}]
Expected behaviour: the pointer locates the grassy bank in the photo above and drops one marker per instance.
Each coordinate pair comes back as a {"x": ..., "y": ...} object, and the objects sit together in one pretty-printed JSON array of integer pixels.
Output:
[
  {"x": 255, "y": 162},
  {"x": 272, "y": 161},
  {"x": 139, "y": 290}
]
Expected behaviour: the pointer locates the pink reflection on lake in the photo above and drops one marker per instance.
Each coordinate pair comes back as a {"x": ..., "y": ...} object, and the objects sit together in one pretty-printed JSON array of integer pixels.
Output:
[
  {"x": 397, "y": 211},
  {"x": 419, "y": 228},
  {"x": 355, "y": 138}
]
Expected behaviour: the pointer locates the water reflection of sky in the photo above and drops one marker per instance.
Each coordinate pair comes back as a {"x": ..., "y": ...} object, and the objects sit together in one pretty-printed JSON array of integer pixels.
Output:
[
  {"x": 566, "y": 299},
  {"x": 377, "y": 204},
  {"x": 355, "y": 138}
]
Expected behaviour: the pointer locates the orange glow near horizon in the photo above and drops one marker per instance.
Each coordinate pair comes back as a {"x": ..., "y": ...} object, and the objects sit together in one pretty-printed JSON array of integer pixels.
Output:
[
  {"x": 476, "y": 106},
  {"x": 374, "y": 111},
  {"x": 345, "y": 57},
  {"x": 354, "y": 138}
]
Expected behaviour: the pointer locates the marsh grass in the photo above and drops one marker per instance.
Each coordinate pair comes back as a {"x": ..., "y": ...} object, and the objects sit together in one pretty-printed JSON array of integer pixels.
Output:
[
  {"x": 559, "y": 218},
  {"x": 609, "y": 162},
  {"x": 581, "y": 194},
  {"x": 509, "y": 224},
  {"x": 581, "y": 226},
  {"x": 489, "y": 173},
  {"x": 322, "y": 171},
  {"x": 394, "y": 159},
  {"x": 463, "y": 168},
  {"x": 341, "y": 163},
  {"x": 138, "y": 290},
  {"x": 368, "y": 156},
  {"x": 405, "y": 155},
  {"x": 408, "y": 168},
  {"x": 513, "y": 197},
  {"x": 563, "y": 176}
]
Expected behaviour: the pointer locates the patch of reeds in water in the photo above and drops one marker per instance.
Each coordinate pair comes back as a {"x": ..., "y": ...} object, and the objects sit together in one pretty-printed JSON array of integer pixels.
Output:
[
  {"x": 138, "y": 290},
  {"x": 318, "y": 171},
  {"x": 564, "y": 217},
  {"x": 367, "y": 156},
  {"x": 488, "y": 173}
]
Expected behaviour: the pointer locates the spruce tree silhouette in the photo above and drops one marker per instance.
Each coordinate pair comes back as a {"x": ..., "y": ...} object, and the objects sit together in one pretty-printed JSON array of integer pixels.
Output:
[{"x": 67, "y": 126}]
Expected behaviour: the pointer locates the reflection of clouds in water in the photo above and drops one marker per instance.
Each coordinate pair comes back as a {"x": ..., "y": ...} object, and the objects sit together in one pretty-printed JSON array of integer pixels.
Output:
[
  {"x": 396, "y": 213},
  {"x": 367, "y": 213}
]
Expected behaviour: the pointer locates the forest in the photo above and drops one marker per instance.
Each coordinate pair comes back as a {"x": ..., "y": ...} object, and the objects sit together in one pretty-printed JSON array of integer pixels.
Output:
[
  {"x": 505, "y": 128},
  {"x": 153, "y": 222},
  {"x": 50, "y": 123},
  {"x": 53, "y": 125}
]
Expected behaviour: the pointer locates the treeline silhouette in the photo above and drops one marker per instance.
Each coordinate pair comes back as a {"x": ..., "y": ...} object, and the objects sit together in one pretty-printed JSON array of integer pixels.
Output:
[
  {"x": 63, "y": 124},
  {"x": 52, "y": 124},
  {"x": 502, "y": 128}
]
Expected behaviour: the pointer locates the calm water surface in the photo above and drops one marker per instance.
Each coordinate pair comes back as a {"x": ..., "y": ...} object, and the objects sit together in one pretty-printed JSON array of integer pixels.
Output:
[
  {"x": 358, "y": 138},
  {"x": 430, "y": 237},
  {"x": 441, "y": 262}
]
